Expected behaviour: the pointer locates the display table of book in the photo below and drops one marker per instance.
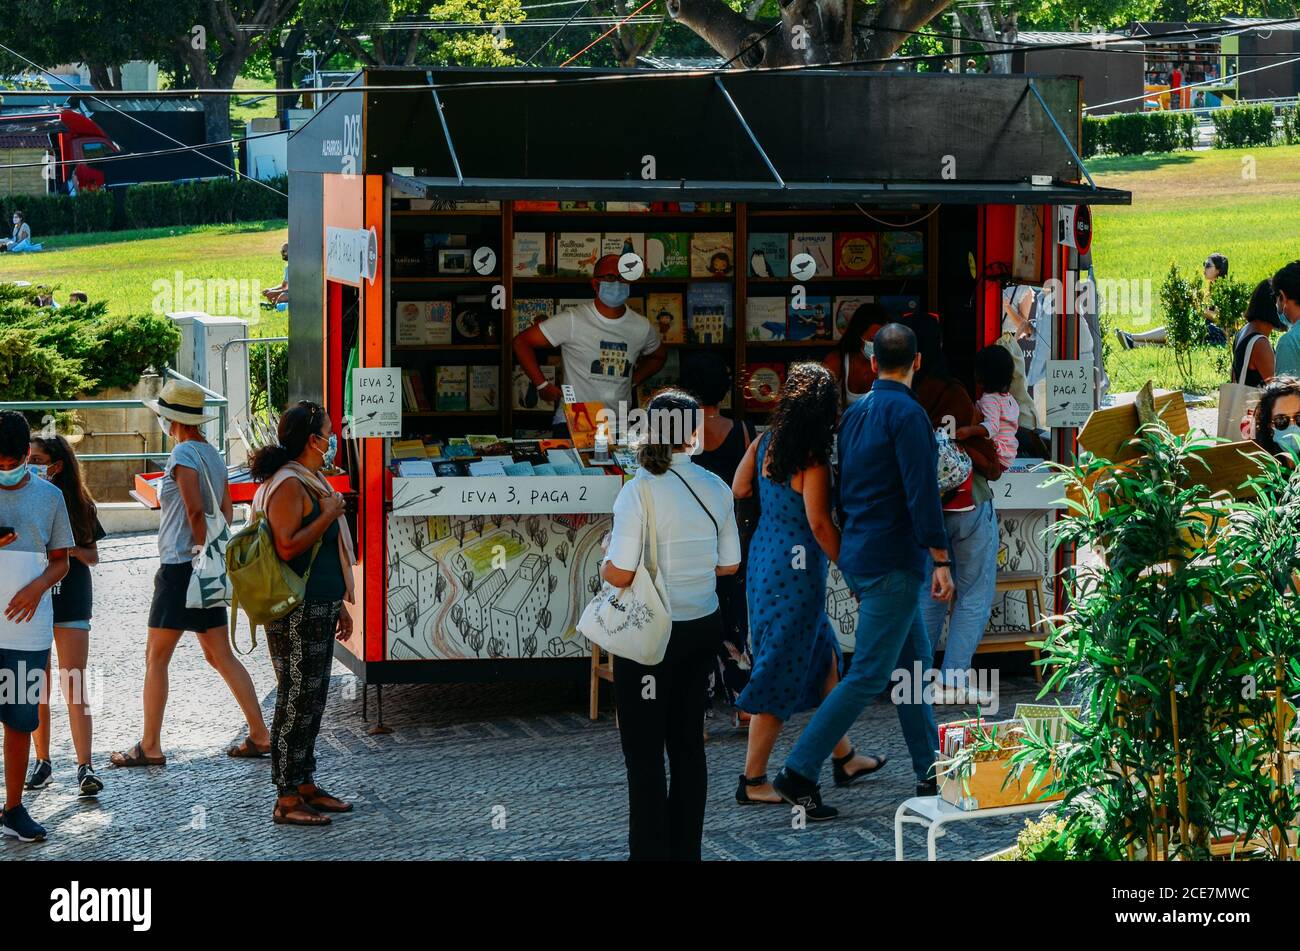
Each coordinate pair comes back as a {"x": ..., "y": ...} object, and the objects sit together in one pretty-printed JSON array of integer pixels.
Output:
[{"x": 934, "y": 812}]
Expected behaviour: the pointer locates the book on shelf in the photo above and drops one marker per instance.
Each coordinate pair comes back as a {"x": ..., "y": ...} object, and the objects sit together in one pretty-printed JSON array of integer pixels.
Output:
[
  {"x": 627, "y": 206},
  {"x": 664, "y": 311},
  {"x": 769, "y": 254},
  {"x": 525, "y": 395},
  {"x": 902, "y": 254},
  {"x": 583, "y": 423},
  {"x": 407, "y": 448},
  {"x": 620, "y": 243},
  {"x": 845, "y": 307},
  {"x": 475, "y": 321},
  {"x": 415, "y": 468},
  {"x": 438, "y": 322},
  {"x": 708, "y": 312},
  {"x": 484, "y": 386},
  {"x": 765, "y": 319},
  {"x": 568, "y": 303},
  {"x": 487, "y": 467},
  {"x": 409, "y": 402},
  {"x": 458, "y": 449},
  {"x": 668, "y": 254},
  {"x": 530, "y": 310},
  {"x": 819, "y": 245},
  {"x": 452, "y": 388},
  {"x": 762, "y": 385},
  {"x": 576, "y": 253},
  {"x": 532, "y": 254},
  {"x": 812, "y": 321},
  {"x": 414, "y": 388},
  {"x": 448, "y": 468},
  {"x": 713, "y": 254},
  {"x": 537, "y": 206},
  {"x": 636, "y": 305},
  {"x": 581, "y": 204},
  {"x": 412, "y": 319},
  {"x": 857, "y": 254}
]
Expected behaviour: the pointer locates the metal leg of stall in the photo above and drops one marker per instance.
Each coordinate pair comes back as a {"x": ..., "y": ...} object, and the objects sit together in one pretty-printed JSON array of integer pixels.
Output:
[{"x": 379, "y": 729}]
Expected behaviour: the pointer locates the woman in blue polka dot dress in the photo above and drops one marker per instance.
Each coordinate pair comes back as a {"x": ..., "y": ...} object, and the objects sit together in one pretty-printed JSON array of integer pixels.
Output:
[{"x": 796, "y": 657}]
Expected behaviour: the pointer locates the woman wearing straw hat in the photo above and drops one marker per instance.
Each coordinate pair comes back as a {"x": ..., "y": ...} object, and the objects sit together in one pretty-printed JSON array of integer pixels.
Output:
[{"x": 195, "y": 473}]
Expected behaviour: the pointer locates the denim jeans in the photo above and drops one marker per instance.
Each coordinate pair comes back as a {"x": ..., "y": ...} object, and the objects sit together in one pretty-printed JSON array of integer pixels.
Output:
[
  {"x": 24, "y": 245},
  {"x": 889, "y": 636},
  {"x": 973, "y": 545}
]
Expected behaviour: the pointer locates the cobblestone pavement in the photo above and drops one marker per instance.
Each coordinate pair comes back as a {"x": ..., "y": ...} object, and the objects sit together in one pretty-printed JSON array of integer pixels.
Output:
[{"x": 508, "y": 771}]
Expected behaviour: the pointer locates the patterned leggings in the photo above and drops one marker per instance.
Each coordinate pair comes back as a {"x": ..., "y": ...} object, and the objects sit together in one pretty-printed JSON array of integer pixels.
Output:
[{"x": 302, "y": 649}]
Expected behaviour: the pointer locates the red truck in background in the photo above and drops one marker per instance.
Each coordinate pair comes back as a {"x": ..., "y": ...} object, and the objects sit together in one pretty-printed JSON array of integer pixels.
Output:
[{"x": 64, "y": 141}]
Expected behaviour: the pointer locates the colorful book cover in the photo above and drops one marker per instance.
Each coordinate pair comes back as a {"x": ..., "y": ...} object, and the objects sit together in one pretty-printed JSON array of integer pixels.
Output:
[
  {"x": 581, "y": 418},
  {"x": 439, "y": 322},
  {"x": 857, "y": 254},
  {"x": 576, "y": 253},
  {"x": 409, "y": 405},
  {"x": 762, "y": 385},
  {"x": 452, "y": 388},
  {"x": 623, "y": 242},
  {"x": 412, "y": 321},
  {"x": 812, "y": 321},
  {"x": 668, "y": 254},
  {"x": 713, "y": 254},
  {"x": 530, "y": 310},
  {"x": 420, "y": 388},
  {"x": 525, "y": 395},
  {"x": 665, "y": 312},
  {"x": 581, "y": 204},
  {"x": 537, "y": 206},
  {"x": 708, "y": 312},
  {"x": 820, "y": 245},
  {"x": 845, "y": 308},
  {"x": 484, "y": 383},
  {"x": 627, "y": 206},
  {"x": 448, "y": 468},
  {"x": 475, "y": 321},
  {"x": 769, "y": 254},
  {"x": 765, "y": 319},
  {"x": 531, "y": 254},
  {"x": 902, "y": 254}
]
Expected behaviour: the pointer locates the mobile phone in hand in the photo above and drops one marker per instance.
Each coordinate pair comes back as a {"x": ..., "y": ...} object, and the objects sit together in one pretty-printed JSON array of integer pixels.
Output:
[{"x": 6, "y": 530}]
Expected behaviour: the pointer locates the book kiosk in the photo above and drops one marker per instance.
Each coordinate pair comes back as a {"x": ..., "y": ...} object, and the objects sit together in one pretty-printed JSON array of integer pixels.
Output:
[{"x": 434, "y": 213}]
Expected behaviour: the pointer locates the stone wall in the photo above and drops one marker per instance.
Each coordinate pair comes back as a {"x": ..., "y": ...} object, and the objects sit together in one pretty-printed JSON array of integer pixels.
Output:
[{"x": 119, "y": 430}]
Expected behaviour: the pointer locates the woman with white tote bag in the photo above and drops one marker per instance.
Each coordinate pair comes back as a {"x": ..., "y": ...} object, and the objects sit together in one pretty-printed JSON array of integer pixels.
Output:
[{"x": 690, "y": 514}]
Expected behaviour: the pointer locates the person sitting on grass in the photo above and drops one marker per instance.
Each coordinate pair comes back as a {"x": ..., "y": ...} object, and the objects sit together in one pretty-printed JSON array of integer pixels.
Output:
[
  {"x": 21, "y": 238},
  {"x": 280, "y": 294},
  {"x": 1216, "y": 266}
]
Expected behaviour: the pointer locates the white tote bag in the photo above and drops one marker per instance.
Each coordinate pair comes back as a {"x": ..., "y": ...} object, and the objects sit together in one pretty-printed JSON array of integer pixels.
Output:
[
  {"x": 210, "y": 585},
  {"x": 1237, "y": 403},
  {"x": 633, "y": 622}
]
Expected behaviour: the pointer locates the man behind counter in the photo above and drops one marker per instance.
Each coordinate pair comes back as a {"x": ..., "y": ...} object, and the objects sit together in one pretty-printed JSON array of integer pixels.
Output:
[{"x": 606, "y": 347}]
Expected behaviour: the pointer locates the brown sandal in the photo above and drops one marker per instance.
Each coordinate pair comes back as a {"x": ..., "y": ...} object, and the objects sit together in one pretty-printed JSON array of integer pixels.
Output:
[
  {"x": 247, "y": 749},
  {"x": 135, "y": 757},
  {"x": 297, "y": 813},
  {"x": 324, "y": 802}
]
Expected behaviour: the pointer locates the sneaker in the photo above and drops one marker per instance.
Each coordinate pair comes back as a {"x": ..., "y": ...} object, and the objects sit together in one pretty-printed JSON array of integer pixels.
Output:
[
  {"x": 87, "y": 782},
  {"x": 39, "y": 777},
  {"x": 1125, "y": 340},
  {"x": 807, "y": 795},
  {"x": 21, "y": 826},
  {"x": 949, "y": 695}
]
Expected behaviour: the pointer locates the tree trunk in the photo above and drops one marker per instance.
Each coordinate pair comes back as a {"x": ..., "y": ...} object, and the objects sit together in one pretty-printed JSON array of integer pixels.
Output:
[{"x": 285, "y": 65}]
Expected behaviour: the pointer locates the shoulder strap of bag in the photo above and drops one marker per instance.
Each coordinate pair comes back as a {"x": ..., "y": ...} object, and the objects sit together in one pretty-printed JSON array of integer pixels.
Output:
[
  {"x": 650, "y": 554},
  {"x": 216, "y": 504},
  {"x": 1245, "y": 360},
  {"x": 682, "y": 480}
]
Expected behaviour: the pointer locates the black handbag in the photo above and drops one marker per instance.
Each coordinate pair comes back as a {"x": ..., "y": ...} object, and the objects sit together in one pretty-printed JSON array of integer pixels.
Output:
[{"x": 748, "y": 510}]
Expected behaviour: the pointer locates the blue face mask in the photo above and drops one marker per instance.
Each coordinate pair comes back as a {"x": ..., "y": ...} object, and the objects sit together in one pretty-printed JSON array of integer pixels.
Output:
[
  {"x": 327, "y": 458},
  {"x": 11, "y": 477},
  {"x": 613, "y": 293},
  {"x": 1288, "y": 438},
  {"x": 868, "y": 349},
  {"x": 41, "y": 472}
]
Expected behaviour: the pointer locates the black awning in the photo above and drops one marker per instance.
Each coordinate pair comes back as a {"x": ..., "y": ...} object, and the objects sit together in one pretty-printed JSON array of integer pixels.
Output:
[{"x": 803, "y": 193}]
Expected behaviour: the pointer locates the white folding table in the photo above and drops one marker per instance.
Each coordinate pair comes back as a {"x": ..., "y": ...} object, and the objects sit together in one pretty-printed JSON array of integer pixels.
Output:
[{"x": 934, "y": 812}]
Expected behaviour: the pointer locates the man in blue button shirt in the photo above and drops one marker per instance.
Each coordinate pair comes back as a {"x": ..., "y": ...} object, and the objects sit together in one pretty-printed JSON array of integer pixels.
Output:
[{"x": 889, "y": 497}]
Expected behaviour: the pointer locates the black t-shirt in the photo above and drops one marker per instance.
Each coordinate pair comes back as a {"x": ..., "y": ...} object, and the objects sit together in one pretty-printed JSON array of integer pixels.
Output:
[{"x": 73, "y": 595}]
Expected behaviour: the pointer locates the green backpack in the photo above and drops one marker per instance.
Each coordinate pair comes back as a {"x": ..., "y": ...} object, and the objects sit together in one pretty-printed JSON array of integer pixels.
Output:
[{"x": 264, "y": 585}]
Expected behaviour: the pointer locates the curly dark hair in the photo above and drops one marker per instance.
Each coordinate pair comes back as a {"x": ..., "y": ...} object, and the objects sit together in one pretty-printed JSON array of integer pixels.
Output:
[
  {"x": 803, "y": 423},
  {"x": 1271, "y": 392},
  {"x": 995, "y": 368},
  {"x": 297, "y": 425}
]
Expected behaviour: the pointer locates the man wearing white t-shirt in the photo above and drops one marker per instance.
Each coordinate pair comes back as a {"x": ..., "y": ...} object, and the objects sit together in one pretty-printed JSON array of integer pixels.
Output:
[{"x": 606, "y": 347}]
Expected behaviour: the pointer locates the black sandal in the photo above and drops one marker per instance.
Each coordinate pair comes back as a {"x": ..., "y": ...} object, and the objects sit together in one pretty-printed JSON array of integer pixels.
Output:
[
  {"x": 742, "y": 792},
  {"x": 844, "y": 778},
  {"x": 297, "y": 812}
]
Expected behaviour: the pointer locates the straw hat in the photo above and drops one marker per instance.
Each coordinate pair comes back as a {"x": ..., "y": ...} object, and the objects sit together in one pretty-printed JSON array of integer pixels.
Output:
[{"x": 180, "y": 401}]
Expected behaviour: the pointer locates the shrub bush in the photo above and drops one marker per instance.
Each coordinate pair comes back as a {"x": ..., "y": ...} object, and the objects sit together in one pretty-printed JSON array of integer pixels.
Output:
[
  {"x": 152, "y": 205},
  {"x": 1242, "y": 127},
  {"x": 1136, "y": 133},
  {"x": 1289, "y": 133}
]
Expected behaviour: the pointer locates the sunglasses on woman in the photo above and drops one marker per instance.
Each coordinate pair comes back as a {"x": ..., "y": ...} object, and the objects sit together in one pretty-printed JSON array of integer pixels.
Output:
[{"x": 1282, "y": 420}]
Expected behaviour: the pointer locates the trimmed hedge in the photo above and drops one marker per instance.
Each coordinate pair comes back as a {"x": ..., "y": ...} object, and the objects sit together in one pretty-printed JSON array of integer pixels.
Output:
[
  {"x": 1136, "y": 133},
  {"x": 160, "y": 205},
  {"x": 1290, "y": 131},
  {"x": 1242, "y": 126}
]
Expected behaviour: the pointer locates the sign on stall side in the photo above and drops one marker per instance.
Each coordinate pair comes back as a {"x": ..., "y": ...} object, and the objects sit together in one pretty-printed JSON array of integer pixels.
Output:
[
  {"x": 376, "y": 402},
  {"x": 1025, "y": 492},
  {"x": 351, "y": 254},
  {"x": 505, "y": 495},
  {"x": 1069, "y": 393}
]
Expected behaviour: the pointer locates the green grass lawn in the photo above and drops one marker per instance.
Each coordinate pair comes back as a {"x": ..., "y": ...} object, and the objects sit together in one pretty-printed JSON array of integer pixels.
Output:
[
  {"x": 151, "y": 270},
  {"x": 1242, "y": 203}
]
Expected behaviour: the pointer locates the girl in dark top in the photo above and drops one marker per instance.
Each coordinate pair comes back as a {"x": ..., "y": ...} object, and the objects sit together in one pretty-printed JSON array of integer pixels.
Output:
[
  {"x": 1262, "y": 319},
  {"x": 305, "y": 515},
  {"x": 53, "y": 457},
  {"x": 725, "y": 442},
  {"x": 850, "y": 361}
]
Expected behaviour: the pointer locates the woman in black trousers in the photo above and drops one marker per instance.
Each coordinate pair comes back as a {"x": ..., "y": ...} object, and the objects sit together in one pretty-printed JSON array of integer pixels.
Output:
[{"x": 661, "y": 707}]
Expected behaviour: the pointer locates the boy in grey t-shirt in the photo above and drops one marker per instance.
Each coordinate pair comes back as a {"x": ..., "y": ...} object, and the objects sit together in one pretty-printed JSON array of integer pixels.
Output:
[{"x": 34, "y": 538}]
